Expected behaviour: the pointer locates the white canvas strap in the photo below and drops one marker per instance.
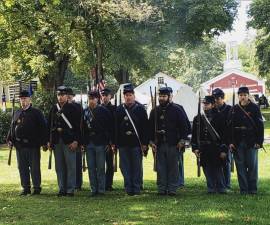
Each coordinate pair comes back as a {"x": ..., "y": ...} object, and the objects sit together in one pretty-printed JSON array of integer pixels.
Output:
[
  {"x": 133, "y": 125},
  {"x": 63, "y": 116}
]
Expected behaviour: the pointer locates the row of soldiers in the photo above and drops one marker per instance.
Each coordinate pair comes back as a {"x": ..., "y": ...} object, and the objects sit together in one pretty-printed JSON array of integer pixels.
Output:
[{"x": 101, "y": 130}]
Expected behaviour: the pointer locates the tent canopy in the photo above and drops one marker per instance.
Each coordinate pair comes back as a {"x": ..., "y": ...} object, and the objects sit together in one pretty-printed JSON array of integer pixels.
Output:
[{"x": 182, "y": 93}]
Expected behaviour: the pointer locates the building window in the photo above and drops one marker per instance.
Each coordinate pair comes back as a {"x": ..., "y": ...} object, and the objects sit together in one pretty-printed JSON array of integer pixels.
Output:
[{"x": 160, "y": 80}]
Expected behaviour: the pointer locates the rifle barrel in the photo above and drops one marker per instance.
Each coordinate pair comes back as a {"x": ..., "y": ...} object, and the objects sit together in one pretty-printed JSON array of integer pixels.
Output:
[
  {"x": 9, "y": 156},
  {"x": 51, "y": 130},
  {"x": 84, "y": 161},
  {"x": 155, "y": 124},
  {"x": 11, "y": 130},
  {"x": 50, "y": 159},
  {"x": 199, "y": 135},
  {"x": 232, "y": 131}
]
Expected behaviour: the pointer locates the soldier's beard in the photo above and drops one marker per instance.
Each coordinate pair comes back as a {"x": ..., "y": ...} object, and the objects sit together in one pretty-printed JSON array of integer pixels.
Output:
[{"x": 164, "y": 102}]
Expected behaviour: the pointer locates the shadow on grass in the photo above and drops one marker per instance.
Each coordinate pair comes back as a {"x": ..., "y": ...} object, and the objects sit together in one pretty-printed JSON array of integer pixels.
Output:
[{"x": 191, "y": 206}]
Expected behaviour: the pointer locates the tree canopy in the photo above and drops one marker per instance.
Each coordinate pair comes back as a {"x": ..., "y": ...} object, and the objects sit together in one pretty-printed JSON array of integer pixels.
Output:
[
  {"x": 259, "y": 13},
  {"x": 51, "y": 38}
]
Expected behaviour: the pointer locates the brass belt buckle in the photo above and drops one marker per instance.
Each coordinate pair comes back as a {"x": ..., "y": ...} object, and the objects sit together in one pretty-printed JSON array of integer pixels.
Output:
[
  {"x": 129, "y": 133},
  {"x": 162, "y": 132},
  {"x": 59, "y": 129}
]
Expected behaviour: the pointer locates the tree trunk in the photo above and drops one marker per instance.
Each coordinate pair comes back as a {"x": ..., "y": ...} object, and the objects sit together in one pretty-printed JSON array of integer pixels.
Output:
[
  {"x": 57, "y": 75},
  {"x": 122, "y": 75},
  {"x": 99, "y": 59}
]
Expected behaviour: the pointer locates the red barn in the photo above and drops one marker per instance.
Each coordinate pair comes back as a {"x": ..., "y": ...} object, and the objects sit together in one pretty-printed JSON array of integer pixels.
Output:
[{"x": 234, "y": 78}]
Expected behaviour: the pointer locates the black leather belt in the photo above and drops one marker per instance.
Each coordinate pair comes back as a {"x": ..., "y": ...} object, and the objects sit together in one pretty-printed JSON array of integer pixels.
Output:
[
  {"x": 92, "y": 133},
  {"x": 22, "y": 140},
  {"x": 242, "y": 128},
  {"x": 206, "y": 142}
]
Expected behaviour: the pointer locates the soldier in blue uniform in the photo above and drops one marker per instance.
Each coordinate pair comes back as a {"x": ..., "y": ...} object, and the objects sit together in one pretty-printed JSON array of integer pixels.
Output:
[
  {"x": 247, "y": 135},
  {"x": 181, "y": 181},
  {"x": 79, "y": 173},
  {"x": 224, "y": 109},
  {"x": 167, "y": 140},
  {"x": 132, "y": 139},
  {"x": 27, "y": 134},
  {"x": 210, "y": 146},
  {"x": 98, "y": 131},
  {"x": 106, "y": 102},
  {"x": 65, "y": 140}
]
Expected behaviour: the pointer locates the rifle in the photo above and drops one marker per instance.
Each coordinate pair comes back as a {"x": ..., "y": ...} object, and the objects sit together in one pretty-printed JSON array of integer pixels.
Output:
[
  {"x": 198, "y": 135},
  {"x": 115, "y": 163},
  {"x": 155, "y": 114},
  {"x": 120, "y": 97},
  {"x": 82, "y": 135},
  {"x": 153, "y": 101},
  {"x": 115, "y": 133},
  {"x": 233, "y": 104},
  {"x": 51, "y": 131},
  {"x": 11, "y": 130}
]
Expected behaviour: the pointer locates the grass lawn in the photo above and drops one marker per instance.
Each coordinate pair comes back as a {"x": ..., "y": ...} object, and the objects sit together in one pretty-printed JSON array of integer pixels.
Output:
[
  {"x": 266, "y": 114},
  {"x": 191, "y": 205},
  {"x": 267, "y": 129}
]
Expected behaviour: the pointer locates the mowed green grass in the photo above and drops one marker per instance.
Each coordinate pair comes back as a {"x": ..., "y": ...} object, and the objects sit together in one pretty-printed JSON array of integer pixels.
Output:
[{"x": 191, "y": 205}]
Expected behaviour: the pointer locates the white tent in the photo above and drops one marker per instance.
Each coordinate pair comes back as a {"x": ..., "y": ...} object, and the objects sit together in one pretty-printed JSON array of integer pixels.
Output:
[
  {"x": 182, "y": 93},
  {"x": 78, "y": 98},
  {"x": 187, "y": 100},
  {"x": 141, "y": 98}
]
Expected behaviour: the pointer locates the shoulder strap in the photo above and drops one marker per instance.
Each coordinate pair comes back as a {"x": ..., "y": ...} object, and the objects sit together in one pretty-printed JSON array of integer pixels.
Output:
[
  {"x": 96, "y": 120},
  {"x": 132, "y": 123},
  {"x": 17, "y": 115},
  {"x": 214, "y": 134},
  {"x": 248, "y": 116},
  {"x": 63, "y": 116}
]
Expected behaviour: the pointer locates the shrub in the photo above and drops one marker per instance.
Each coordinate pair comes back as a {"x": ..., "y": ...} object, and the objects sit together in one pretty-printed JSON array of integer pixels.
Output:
[
  {"x": 5, "y": 119},
  {"x": 43, "y": 100}
]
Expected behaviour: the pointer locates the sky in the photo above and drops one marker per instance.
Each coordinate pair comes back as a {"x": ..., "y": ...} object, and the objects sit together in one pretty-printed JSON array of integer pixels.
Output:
[{"x": 240, "y": 31}]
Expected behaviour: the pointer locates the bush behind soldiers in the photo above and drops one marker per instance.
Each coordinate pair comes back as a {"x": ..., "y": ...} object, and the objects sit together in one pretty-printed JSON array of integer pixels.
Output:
[{"x": 27, "y": 134}]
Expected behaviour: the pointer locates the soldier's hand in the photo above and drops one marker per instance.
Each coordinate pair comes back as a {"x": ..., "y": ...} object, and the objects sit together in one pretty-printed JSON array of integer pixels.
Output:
[
  {"x": 180, "y": 146},
  {"x": 223, "y": 155},
  {"x": 44, "y": 148},
  {"x": 82, "y": 148},
  {"x": 73, "y": 146},
  {"x": 145, "y": 150},
  {"x": 49, "y": 145},
  {"x": 232, "y": 147},
  {"x": 9, "y": 143},
  {"x": 257, "y": 146},
  {"x": 154, "y": 148},
  {"x": 113, "y": 147},
  {"x": 197, "y": 153}
]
